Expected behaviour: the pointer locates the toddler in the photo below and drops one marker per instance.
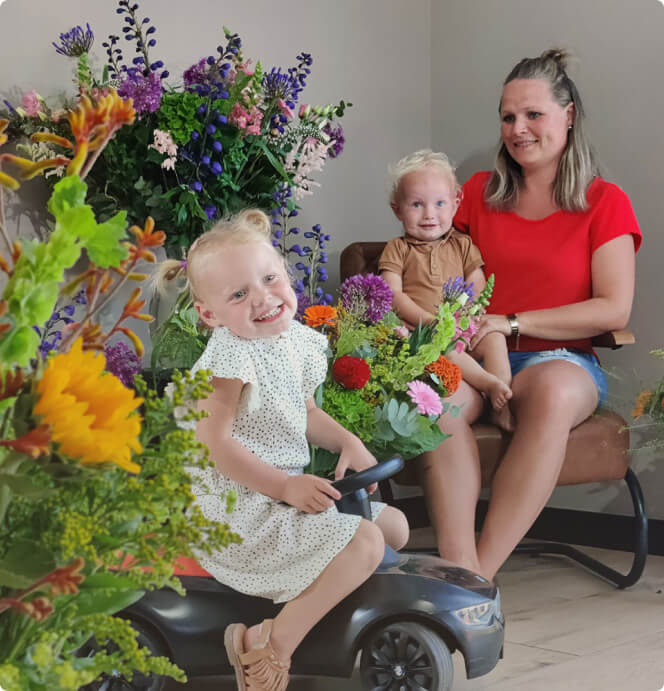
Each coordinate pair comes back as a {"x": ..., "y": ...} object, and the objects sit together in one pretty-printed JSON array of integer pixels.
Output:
[
  {"x": 297, "y": 548},
  {"x": 424, "y": 196}
]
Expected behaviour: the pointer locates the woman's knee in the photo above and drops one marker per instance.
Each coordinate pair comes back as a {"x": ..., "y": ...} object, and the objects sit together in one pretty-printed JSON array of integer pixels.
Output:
[{"x": 367, "y": 547}]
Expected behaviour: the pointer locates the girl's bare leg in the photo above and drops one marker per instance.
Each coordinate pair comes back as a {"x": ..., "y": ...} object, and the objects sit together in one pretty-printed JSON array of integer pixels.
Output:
[
  {"x": 549, "y": 400},
  {"x": 451, "y": 482},
  {"x": 394, "y": 526},
  {"x": 348, "y": 570}
]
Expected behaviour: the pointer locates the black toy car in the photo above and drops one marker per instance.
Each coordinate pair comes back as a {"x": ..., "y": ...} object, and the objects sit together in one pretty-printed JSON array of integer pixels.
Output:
[{"x": 406, "y": 620}]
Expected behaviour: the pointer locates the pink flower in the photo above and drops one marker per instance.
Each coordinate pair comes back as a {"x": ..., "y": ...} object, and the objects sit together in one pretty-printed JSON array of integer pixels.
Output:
[
  {"x": 32, "y": 103},
  {"x": 244, "y": 67},
  {"x": 305, "y": 109},
  {"x": 253, "y": 129},
  {"x": 460, "y": 346},
  {"x": 427, "y": 400},
  {"x": 401, "y": 331},
  {"x": 285, "y": 109}
]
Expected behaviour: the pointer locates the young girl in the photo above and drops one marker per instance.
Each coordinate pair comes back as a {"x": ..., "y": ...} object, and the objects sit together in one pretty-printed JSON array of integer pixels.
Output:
[{"x": 265, "y": 367}]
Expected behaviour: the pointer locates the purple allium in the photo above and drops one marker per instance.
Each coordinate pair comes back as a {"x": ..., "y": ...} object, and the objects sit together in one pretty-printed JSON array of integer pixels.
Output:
[
  {"x": 75, "y": 42},
  {"x": 454, "y": 288},
  {"x": 368, "y": 297},
  {"x": 195, "y": 74},
  {"x": 303, "y": 302},
  {"x": 337, "y": 140},
  {"x": 123, "y": 362},
  {"x": 144, "y": 90}
]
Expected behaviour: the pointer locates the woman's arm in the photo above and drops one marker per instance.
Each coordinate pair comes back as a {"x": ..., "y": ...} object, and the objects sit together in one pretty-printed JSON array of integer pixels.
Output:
[
  {"x": 612, "y": 270},
  {"x": 403, "y": 305}
]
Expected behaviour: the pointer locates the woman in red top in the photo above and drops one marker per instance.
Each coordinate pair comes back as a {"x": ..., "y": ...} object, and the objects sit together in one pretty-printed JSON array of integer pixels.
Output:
[{"x": 561, "y": 242}]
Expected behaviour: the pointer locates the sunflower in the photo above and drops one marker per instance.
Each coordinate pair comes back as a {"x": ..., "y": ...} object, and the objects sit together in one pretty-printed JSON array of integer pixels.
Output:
[{"x": 89, "y": 410}]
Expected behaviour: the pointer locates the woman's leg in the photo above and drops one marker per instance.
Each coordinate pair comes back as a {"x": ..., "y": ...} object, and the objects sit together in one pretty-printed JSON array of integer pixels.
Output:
[
  {"x": 348, "y": 570},
  {"x": 394, "y": 526},
  {"x": 549, "y": 399},
  {"x": 451, "y": 482}
]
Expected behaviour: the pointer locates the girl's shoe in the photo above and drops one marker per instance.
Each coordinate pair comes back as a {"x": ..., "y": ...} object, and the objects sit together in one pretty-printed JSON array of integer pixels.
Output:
[{"x": 259, "y": 669}]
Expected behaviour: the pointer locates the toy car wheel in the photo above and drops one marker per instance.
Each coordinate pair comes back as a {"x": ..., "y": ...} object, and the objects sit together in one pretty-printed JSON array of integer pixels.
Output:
[
  {"x": 405, "y": 656},
  {"x": 117, "y": 681}
]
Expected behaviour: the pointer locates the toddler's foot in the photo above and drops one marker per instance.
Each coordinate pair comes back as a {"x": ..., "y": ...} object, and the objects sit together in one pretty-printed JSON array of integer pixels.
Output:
[
  {"x": 503, "y": 418},
  {"x": 499, "y": 393}
]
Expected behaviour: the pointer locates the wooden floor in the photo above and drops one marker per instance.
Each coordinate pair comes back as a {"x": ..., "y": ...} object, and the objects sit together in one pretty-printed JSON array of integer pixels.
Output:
[{"x": 566, "y": 630}]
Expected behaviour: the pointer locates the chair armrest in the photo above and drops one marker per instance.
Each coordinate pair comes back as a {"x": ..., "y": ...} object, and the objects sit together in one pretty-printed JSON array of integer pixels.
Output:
[{"x": 614, "y": 339}]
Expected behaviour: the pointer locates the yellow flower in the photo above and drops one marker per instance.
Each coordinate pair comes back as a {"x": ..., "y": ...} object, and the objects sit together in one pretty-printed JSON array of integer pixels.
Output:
[
  {"x": 642, "y": 400},
  {"x": 89, "y": 410}
]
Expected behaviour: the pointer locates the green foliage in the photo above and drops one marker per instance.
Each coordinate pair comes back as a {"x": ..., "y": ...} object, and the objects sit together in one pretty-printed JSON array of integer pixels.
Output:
[{"x": 33, "y": 289}]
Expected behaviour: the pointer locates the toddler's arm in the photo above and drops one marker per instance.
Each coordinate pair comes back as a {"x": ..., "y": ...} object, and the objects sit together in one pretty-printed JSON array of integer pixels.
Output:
[
  {"x": 235, "y": 461},
  {"x": 404, "y": 305},
  {"x": 326, "y": 432}
]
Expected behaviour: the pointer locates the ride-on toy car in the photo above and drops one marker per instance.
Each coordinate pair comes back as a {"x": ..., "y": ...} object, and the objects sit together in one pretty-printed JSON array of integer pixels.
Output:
[{"x": 406, "y": 620}]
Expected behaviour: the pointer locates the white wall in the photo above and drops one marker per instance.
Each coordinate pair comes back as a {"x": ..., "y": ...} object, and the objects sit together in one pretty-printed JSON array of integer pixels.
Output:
[
  {"x": 619, "y": 48},
  {"x": 373, "y": 53}
]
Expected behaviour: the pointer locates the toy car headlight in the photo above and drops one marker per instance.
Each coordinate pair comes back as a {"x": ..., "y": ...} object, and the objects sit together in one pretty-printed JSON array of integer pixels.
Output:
[{"x": 479, "y": 615}]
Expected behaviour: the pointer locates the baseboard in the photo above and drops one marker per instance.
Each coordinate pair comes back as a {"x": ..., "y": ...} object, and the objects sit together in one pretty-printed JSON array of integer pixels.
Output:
[{"x": 589, "y": 528}]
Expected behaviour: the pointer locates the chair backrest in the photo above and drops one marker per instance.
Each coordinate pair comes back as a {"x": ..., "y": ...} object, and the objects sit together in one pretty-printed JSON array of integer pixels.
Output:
[{"x": 360, "y": 258}]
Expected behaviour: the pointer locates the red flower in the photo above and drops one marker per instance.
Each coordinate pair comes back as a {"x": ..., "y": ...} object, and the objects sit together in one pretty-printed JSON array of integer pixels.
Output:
[{"x": 351, "y": 372}]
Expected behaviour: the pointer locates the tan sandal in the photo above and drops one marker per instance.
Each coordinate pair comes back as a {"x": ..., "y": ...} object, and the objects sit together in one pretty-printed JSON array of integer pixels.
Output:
[
  {"x": 234, "y": 644},
  {"x": 259, "y": 669}
]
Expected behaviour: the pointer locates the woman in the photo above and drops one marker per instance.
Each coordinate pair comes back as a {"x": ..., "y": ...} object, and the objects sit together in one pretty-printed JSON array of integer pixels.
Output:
[{"x": 561, "y": 242}]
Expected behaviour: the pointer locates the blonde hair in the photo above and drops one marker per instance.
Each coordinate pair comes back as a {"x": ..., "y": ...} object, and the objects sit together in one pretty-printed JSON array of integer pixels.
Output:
[
  {"x": 577, "y": 167},
  {"x": 420, "y": 160},
  {"x": 248, "y": 227}
]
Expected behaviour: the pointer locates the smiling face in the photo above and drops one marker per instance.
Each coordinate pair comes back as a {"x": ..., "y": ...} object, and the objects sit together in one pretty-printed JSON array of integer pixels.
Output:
[
  {"x": 425, "y": 203},
  {"x": 534, "y": 127},
  {"x": 246, "y": 289}
]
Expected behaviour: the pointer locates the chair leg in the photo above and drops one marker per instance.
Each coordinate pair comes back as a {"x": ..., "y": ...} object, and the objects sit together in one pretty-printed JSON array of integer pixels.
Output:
[{"x": 640, "y": 544}]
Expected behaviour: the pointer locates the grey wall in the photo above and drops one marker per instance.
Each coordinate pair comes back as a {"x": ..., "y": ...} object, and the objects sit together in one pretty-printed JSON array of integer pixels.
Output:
[{"x": 619, "y": 49}]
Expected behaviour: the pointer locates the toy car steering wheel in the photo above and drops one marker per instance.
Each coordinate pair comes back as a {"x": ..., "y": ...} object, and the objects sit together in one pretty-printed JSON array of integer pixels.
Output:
[{"x": 378, "y": 472}]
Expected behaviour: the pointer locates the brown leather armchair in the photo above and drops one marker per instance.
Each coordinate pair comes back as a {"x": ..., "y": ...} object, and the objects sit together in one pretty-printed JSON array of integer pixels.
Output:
[{"x": 597, "y": 451}]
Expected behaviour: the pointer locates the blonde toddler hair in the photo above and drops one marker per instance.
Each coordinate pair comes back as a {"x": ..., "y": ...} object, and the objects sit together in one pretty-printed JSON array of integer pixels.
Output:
[
  {"x": 248, "y": 227},
  {"x": 420, "y": 160}
]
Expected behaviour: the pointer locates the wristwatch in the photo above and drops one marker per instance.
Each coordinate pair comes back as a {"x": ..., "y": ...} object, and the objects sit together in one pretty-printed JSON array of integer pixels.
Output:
[{"x": 514, "y": 328}]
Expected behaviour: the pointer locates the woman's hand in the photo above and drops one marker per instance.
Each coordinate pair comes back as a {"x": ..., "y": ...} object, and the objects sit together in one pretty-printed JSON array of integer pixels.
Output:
[
  {"x": 354, "y": 455},
  {"x": 309, "y": 493},
  {"x": 488, "y": 324}
]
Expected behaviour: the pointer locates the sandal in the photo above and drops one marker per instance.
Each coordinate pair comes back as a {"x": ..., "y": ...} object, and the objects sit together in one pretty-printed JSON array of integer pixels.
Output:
[{"x": 258, "y": 669}]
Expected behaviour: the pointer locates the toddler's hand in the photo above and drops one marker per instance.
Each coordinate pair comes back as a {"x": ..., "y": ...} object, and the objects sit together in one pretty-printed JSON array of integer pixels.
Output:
[
  {"x": 310, "y": 493},
  {"x": 357, "y": 457}
]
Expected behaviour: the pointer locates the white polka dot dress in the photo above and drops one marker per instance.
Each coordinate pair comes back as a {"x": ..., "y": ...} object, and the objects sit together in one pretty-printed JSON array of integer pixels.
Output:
[{"x": 283, "y": 550}]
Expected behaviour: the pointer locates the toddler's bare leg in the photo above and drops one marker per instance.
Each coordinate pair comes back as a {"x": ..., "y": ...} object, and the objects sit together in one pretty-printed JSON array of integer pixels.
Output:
[
  {"x": 492, "y": 350},
  {"x": 482, "y": 380},
  {"x": 348, "y": 570},
  {"x": 394, "y": 526}
]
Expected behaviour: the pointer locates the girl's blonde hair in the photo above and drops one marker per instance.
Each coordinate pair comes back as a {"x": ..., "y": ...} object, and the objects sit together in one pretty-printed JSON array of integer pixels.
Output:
[
  {"x": 420, "y": 160},
  {"x": 577, "y": 166},
  {"x": 248, "y": 227}
]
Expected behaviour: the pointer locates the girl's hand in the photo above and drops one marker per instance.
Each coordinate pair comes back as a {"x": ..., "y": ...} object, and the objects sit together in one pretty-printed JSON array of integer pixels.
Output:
[
  {"x": 489, "y": 323},
  {"x": 309, "y": 493},
  {"x": 354, "y": 455}
]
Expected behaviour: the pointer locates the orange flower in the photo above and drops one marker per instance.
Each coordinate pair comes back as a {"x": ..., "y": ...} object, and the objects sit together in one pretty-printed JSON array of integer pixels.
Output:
[
  {"x": 320, "y": 315},
  {"x": 641, "y": 403},
  {"x": 447, "y": 372},
  {"x": 35, "y": 443},
  {"x": 145, "y": 237}
]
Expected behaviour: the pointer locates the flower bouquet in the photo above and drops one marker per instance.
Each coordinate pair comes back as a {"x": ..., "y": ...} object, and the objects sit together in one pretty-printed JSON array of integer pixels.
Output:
[
  {"x": 386, "y": 384},
  {"x": 226, "y": 136},
  {"x": 95, "y": 497}
]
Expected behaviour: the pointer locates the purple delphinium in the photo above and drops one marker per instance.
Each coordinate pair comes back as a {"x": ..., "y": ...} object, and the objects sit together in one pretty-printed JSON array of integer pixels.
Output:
[
  {"x": 337, "y": 140},
  {"x": 368, "y": 297},
  {"x": 144, "y": 90},
  {"x": 50, "y": 336},
  {"x": 75, "y": 42},
  {"x": 454, "y": 288},
  {"x": 123, "y": 362}
]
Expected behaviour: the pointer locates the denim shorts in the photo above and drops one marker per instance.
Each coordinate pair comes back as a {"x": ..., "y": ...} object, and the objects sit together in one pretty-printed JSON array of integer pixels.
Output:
[{"x": 521, "y": 360}]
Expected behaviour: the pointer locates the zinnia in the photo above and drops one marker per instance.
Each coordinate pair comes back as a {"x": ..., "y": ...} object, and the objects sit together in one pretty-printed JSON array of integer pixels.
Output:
[
  {"x": 89, "y": 410},
  {"x": 351, "y": 372},
  {"x": 447, "y": 372},
  {"x": 319, "y": 315},
  {"x": 425, "y": 398}
]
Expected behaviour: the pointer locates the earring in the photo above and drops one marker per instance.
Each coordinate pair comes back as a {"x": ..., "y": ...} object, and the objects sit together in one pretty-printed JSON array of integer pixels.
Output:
[{"x": 569, "y": 127}]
